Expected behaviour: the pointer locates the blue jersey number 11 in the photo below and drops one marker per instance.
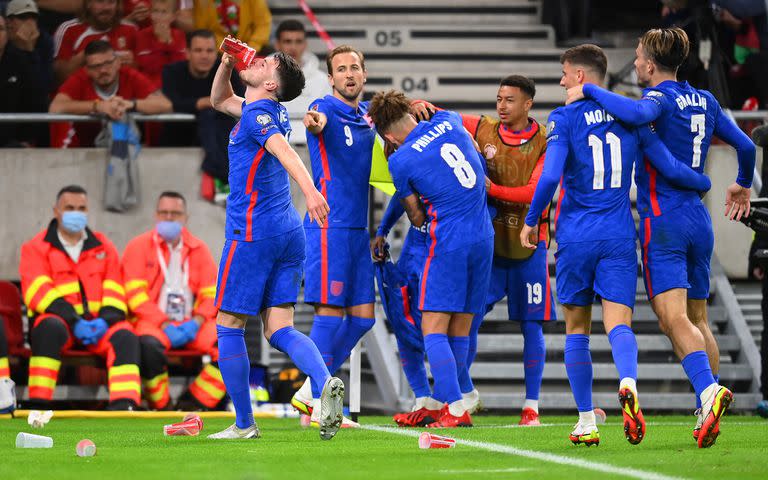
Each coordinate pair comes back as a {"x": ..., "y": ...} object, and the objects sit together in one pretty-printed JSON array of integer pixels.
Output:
[{"x": 598, "y": 179}]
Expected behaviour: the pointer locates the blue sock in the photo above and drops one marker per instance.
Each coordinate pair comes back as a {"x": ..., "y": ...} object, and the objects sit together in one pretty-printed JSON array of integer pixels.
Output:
[
  {"x": 304, "y": 354},
  {"x": 578, "y": 366},
  {"x": 534, "y": 354},
  {"x": 324, "y": 328},
  {"x": 443, "y": 367},
  {"x": 696, "y": 366},
  {"x": 347, "y": 336},
  {"x": 624, "y": 349},
  {"x": 477, "y": 320},
  {"x": 235, "y": 366},
  {"x": 412, "y": 360},
  {"x": 460, "y": 350}
]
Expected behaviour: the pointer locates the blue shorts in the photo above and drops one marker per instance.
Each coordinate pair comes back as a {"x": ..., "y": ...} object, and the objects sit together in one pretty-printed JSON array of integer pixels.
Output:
[
  {"x": 400, "y": 307},
  {"x": 607, "y": 268},
  {"x": 254, "y": 276},
  {"x": 339, "y": 269},
  {"x": 457, "y": 281},
  {"x": 526, "y": 285},
  {"x": 677, "y": 251}
]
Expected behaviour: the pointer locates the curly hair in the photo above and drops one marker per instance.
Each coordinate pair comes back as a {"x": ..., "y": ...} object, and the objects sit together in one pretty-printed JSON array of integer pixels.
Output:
[{"x": 388, "y": 108}]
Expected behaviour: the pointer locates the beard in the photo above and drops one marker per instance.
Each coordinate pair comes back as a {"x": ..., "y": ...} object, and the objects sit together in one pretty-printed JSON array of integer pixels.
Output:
[{"x": 349, "y": 97}]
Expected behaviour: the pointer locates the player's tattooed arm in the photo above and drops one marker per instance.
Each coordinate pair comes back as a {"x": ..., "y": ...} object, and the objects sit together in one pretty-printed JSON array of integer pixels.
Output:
[
  {"x": 317, "y": 207},
  {"x": 414, "y": 209},
  {"x": 315, "y": 121},
  {"x": 223, "y": 98}
]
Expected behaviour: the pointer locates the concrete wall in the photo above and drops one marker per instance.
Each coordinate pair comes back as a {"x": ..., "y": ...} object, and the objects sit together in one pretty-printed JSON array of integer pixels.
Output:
[
  {"x": 30, "y": 179},
  {"x": 732, "y": 239}
]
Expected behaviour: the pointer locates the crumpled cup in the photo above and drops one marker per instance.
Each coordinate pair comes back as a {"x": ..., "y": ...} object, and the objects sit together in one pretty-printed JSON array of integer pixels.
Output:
[{"x": 38, "y": 419}]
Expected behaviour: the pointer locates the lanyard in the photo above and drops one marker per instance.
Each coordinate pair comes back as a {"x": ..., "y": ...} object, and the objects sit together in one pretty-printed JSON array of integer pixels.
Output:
[{"x": 164, "y": 267}]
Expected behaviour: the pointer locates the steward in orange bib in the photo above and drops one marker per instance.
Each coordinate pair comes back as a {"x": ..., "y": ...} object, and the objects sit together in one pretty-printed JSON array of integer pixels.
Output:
[
  {"x": 170, "y": 279},
  {"x": 514, "y": 147},
  {"x": 71, "y": 283}
]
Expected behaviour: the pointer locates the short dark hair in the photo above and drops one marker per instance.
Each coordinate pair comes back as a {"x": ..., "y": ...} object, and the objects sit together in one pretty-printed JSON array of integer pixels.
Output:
[
  {"x": 587, "y": 55},
  {"x": 290, "y": 25},
  {"x": 77, "y": 189},
  {"x": 289, "y": 77},
  {"x": 98, "y": 46},
  {"x": 525, "y": 84},
  {"x": 172, "y": 194},
  {"x": 388, "y": 108},
  {"x": 343, "y": 49},
  {"x": 202, "y": 33},
  {"x": 667, "y": 47}
]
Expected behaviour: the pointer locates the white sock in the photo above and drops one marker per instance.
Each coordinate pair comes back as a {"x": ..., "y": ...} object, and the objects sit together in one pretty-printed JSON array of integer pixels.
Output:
[
  {"x": 587, "y": 418},
  {"x": 432, "y": 404},
  {"x": 457, "y": 408},
  {"x": 472, "y": 396},
  {"x": 315, "y": 409},
  {"x": 708, "y": 393},
  {"x": 629, "y": 382},
  {"x": 419, "y": 403},
  {"x": 532, "y": 404},
  {"x": 305, "y": 392}
]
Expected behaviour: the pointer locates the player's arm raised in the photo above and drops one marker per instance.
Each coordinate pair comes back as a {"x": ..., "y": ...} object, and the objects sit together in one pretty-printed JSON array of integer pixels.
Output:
[
  {"x": 737, "y": 195},
  {"x": 317, "y": 207},
  {"x": 315, "y": 121},
  {"x": 414, "y": 209},
  {"x": 223, "y": 98},
  {"x": 676, "y": 172},
  {"x": 634, "y": 112}
]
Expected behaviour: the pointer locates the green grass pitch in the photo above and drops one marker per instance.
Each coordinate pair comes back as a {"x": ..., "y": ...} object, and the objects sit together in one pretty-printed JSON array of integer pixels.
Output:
[{"x": 136, "y": 449}]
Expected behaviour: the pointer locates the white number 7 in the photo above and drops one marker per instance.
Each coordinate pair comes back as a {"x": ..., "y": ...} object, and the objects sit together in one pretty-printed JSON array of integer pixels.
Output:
[{"x": 698, "y": 126}]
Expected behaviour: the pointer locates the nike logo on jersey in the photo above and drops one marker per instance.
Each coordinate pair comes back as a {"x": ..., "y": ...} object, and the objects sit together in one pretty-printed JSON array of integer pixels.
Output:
[
  {"x": 691, "y": 100},
  {"x": 597, "y": 116}
]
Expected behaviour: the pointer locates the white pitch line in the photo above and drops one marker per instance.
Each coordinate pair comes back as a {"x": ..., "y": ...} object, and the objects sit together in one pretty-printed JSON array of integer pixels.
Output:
[
  {"x": 536, "y": 455},
  {"x": 497, "y": 470},
  {"x": 651, "y": 424}
]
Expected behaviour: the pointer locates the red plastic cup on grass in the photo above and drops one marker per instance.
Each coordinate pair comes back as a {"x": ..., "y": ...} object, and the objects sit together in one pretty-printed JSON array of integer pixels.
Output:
[
  {"x": 189, "y": 428},
  {"x": 430, "y": 440},
  {"x": 85, "y": 448},
  {"x": 244, "y": 53},
  {"x": 196, "y": 417}
]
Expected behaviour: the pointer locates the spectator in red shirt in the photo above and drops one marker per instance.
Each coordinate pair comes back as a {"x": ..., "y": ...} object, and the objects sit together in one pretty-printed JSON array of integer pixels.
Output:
[
  {"x": 102, "y": 87},
  {"x": 100, "y": 20},
  {"x": 137, "y": 12},
  {"x": 159, "y": 44}
]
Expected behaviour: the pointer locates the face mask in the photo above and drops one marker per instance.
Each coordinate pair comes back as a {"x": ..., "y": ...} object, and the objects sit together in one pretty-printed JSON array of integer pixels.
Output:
[
  {"x": 74, "y": 222},
  {"x": 169, "y": 231}
]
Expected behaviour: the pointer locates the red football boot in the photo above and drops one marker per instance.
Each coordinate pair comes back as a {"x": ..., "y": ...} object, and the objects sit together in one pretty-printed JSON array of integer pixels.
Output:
[
  {"x": 529, "y": 417},
  {"x": 634, "y": 423},
  {"x": 447, "y": 420},
  {"x": 418, "y": 418}
]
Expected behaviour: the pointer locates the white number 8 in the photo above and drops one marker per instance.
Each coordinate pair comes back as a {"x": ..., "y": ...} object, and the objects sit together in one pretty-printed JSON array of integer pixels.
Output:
[{"x": 455, "y": 159}]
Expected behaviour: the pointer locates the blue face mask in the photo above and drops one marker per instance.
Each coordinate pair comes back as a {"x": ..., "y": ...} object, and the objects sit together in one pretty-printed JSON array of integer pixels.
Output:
[
  {"x": 74, "y": 221},
  {"x": 168, "y": 230}
]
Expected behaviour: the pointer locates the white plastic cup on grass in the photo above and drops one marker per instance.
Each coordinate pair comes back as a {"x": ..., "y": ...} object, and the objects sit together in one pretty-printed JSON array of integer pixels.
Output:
[{"x": 29, "y": 440}]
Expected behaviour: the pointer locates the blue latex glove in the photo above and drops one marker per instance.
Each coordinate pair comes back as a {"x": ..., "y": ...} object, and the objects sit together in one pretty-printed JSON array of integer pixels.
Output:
[
  {"x": 190, "y": 328},
  {"x": 176, "y": 335},
  {"x": 90, "y": 332},
  {"x": 99, "y": 327}
]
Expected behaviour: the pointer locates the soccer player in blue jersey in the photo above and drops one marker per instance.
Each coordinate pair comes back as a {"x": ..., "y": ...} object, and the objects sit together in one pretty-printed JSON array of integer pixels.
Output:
[
  {"x": 437, "y": 168},
  {"x": 407, "y": 330},
  {"x": 339, "y": 271},
  {"x": 594, "y": 155},
  {"x": 261, "y": 265},
  {"x": 676, "y": 229}
]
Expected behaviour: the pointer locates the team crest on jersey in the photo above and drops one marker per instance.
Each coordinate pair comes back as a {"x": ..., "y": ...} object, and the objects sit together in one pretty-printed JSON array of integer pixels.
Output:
[
  {"x": 264, "y": 119},
  {"x": 489, "y": 151},
  {"x": 337, "y": 288},
  {"x": 550, "y": 128}
]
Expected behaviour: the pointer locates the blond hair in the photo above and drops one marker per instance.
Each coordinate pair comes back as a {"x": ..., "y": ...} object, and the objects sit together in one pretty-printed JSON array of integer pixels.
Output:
[{"x": 666, "y": 47}]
